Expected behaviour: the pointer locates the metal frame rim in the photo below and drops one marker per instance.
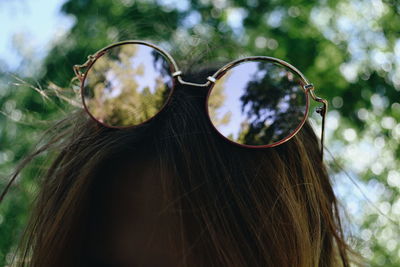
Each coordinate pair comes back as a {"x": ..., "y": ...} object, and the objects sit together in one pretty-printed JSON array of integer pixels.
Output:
[{"x": 176, "y": 77}]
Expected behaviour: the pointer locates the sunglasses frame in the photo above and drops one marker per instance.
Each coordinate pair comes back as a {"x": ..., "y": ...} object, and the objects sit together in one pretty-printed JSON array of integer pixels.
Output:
[{"x": 211, "y": 80}]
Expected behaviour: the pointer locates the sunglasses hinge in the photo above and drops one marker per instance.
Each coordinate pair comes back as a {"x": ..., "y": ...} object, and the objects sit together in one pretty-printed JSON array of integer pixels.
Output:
[
  {"x": 309, "y": 87},
  {"x": 177, "y": 73},
  {"x": 77, "y": 71},
  {"x": 211, "y": 79}
]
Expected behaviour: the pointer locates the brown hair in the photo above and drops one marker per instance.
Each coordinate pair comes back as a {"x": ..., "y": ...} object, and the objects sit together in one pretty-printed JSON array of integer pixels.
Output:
[{"x": 232, "y": 206}]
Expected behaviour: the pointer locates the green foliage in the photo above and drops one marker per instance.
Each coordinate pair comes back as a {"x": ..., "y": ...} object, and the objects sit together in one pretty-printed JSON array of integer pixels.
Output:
[
  {"x": 26, "y": 113},
  {"x": 349, "y": 49}
]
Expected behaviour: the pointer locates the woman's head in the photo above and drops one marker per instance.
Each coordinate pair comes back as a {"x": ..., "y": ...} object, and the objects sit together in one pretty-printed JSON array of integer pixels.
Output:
[{"x": 175, "y": 193}]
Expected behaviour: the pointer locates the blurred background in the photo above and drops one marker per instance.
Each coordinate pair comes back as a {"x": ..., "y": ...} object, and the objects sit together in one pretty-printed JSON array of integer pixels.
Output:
[{"x": 349, "y": 49}]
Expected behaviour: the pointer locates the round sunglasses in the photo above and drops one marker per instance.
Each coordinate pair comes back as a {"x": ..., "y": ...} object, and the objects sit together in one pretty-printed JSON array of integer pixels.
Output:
[{"x": 255, "y": 102}]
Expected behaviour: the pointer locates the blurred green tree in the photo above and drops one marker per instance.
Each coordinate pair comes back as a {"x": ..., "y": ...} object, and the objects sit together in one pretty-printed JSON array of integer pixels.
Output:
[{"x": 349, "y": 49}]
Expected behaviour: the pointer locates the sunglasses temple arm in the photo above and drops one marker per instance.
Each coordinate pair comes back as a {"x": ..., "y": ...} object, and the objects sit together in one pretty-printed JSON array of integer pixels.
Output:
[{"x": 322, "y": 111}]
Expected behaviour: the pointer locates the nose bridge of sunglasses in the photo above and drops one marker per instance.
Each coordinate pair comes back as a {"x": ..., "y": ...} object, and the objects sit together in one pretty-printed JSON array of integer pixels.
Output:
[{"x": 178, "y": 74}]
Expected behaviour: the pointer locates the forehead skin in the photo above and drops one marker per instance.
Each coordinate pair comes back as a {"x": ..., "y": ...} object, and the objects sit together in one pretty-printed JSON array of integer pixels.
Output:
[{"x": 134, "y": 229}]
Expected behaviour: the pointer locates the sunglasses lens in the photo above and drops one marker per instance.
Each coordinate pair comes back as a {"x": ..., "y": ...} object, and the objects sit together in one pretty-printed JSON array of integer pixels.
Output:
[
  {"x": 258, "y": 103},
  {"x": 127, "y": 85}
]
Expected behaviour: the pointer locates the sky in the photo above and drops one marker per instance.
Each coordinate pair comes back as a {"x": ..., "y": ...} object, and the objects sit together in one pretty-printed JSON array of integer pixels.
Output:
[{"x": 28, "y": 28}]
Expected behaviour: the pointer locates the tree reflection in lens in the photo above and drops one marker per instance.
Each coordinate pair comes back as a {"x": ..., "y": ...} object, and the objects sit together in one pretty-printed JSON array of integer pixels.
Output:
[
  {"x": 127, "y": 85},
  {"x": 265, "y": 102}
]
